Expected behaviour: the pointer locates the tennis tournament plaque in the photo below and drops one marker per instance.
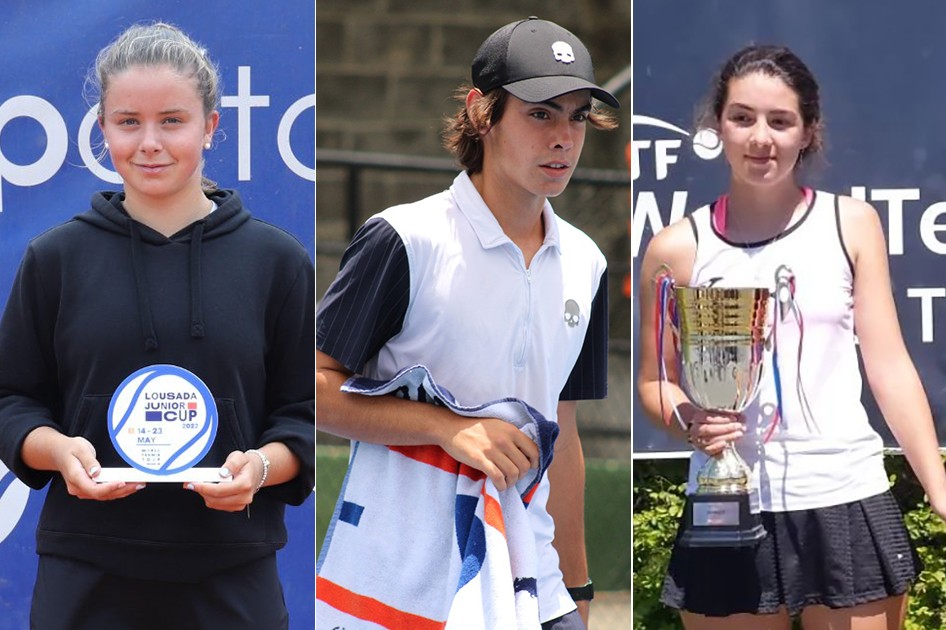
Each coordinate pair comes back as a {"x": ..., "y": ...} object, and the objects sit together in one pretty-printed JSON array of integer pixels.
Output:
[{"x": 162, "y": 420}]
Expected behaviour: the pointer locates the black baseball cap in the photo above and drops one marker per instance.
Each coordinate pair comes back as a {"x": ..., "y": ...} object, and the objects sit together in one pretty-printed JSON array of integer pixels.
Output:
[{"x": 535, "y": 60}]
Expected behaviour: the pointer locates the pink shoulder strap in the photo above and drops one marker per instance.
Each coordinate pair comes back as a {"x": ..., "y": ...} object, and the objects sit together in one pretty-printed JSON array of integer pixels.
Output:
[{"x": 719, "y": 209}]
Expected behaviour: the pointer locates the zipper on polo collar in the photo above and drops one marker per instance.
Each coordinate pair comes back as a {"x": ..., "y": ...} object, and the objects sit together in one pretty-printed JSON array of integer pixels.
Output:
[{"x": 527, "y": 324}]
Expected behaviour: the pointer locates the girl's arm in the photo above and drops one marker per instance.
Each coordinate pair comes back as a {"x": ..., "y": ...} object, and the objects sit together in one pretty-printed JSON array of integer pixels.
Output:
[{"x": 890, "y": 372}]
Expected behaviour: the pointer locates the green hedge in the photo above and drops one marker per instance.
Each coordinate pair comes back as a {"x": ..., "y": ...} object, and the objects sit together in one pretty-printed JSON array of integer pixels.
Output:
[
  {"x": 658, "y": 503},
  {"x": 608, "y": 497}
]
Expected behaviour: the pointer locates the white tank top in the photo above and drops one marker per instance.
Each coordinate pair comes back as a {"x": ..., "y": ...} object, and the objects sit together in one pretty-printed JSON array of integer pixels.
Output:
[{"x": 830, "y": 455}]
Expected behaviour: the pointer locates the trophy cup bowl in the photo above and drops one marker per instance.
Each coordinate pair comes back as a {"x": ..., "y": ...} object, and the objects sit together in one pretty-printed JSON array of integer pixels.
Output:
[{"x": 721, "y": 337}]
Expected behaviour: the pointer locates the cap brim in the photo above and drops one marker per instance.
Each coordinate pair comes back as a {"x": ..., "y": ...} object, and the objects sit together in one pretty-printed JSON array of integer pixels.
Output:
[{"x": 539, "y": 89}]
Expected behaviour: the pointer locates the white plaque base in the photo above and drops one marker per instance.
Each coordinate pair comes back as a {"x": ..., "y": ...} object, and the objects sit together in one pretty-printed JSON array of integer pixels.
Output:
[{"x": 133, "y": 475}]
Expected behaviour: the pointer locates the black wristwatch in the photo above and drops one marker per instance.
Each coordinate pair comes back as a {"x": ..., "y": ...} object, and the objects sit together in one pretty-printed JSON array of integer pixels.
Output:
[{"x": 582, "y": 593}]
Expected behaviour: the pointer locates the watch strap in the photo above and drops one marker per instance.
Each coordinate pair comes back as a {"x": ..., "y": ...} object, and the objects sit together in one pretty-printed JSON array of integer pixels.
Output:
[{"x": 582, "y": 593}]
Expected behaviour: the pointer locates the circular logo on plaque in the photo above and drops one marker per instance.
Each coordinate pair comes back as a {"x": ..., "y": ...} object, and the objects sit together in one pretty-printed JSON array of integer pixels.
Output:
[{"x": 162, "y": 419}]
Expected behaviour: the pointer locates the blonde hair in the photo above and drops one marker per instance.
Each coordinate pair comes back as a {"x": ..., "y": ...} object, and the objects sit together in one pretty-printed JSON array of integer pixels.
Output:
[{"x": 157, "y": 44}]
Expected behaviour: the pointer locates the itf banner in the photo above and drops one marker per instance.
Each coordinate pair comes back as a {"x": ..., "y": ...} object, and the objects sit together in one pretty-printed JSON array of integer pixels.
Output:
[
  {"x": 880, "y": 69},
  {"x": 48, "y": 140}
]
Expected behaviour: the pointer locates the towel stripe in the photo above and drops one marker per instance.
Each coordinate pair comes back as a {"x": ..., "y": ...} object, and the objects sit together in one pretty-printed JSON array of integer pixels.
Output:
[
  {"x": 493, "y": 512},
  {"x": 351, "y": 513},
  {"x": 435, "y": 456},
  {"x": 528, "y": 498},
  {"x": 370, "y": 609}
]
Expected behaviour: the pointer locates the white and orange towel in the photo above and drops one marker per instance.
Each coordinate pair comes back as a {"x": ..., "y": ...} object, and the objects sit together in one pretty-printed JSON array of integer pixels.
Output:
[{"x": 419, "y": 541}]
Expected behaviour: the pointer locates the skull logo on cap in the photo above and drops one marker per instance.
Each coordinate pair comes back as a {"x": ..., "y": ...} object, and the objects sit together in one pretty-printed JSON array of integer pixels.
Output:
[
  {"x": 563, "y": 52},
  {"x": 572, "y": 313}
]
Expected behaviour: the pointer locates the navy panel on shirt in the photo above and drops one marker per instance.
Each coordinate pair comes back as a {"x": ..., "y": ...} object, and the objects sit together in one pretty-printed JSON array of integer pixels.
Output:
[
  {"x": 589, "y": 377},
  {"x": 366, "y": 304}
]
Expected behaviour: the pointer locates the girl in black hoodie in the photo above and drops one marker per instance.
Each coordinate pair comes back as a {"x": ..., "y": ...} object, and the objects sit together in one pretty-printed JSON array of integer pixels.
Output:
[{"x": 170, "y": 271}]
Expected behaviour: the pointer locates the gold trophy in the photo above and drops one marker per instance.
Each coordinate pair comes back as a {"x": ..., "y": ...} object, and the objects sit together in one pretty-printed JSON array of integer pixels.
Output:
[{"x": 721, "y": 341}]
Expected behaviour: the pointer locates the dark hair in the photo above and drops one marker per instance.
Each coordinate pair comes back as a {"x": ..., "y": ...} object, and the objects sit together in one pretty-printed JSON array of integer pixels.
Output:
[
  {"x": 774, "y": 61},
  {"x": 461, "y": 132}
]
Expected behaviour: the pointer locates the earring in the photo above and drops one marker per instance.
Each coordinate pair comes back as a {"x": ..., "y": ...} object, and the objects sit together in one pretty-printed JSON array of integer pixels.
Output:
[
  {"x": 106, "y": 144},
  {"x": 207, "y": 145}
]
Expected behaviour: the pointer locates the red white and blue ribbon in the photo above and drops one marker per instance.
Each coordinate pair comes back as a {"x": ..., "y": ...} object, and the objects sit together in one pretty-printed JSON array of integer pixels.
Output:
[
  {"x": 785, "y": 303},
  {"x": 664, "y": 309}
]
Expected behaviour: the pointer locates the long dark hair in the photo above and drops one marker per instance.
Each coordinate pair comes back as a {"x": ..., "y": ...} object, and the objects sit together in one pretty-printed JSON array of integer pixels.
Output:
[{"x": 774, "y": 61}]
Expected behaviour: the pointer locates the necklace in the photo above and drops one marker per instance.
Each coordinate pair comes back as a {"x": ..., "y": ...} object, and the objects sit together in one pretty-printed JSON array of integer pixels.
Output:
[
  {"x": 757, "y": 258},
  {"x": 721, "y": 216},
  {"x": 784, "y": 300}
]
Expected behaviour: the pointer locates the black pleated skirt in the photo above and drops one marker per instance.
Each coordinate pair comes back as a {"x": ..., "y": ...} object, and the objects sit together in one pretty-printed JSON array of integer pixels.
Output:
[{"x": 838, "y": 556}]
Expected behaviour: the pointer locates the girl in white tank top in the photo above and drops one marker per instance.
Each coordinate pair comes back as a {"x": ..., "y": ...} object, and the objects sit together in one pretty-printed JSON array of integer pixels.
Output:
[{"x": 835, "y": 539}]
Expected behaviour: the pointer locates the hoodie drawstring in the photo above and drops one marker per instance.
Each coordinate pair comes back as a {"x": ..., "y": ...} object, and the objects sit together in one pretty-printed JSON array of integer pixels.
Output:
[
  {"x": 197, "y": 311},
  {"x": 141, "y": 286}
]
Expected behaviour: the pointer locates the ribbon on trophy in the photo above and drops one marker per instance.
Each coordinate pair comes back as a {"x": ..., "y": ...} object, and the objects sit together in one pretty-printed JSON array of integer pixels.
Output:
[
  {"x": 787, "y": 303},
  {"x": 665, "y": 307}
]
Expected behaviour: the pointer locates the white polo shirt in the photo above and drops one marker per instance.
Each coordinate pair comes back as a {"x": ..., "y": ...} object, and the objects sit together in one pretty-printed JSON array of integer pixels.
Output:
[{"x": 438, "y": 282}]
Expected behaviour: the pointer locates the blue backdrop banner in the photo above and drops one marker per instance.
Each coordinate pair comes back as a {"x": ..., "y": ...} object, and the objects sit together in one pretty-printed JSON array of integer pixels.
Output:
[
  {"x": 880, "y": 70},
  {"x": 48, "y": 142}
]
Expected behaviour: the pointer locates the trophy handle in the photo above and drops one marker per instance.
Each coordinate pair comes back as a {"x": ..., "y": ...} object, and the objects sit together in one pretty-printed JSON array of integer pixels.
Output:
[
  {"x": 786, "y": 303},
  {"x": 666, "y": 306},
  {"x": 784, "y": 298},
  {"x": 665, "y": 312}
]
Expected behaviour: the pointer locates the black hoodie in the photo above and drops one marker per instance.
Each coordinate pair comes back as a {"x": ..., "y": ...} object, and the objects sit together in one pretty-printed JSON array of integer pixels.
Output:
[{"x": 229, "y": 298}]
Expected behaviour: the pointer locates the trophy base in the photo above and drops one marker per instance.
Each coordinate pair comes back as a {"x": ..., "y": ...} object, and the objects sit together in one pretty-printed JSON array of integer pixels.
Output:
[
  {"x": 133, "y": 475},
  {"x": 720, "y": 520}
]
